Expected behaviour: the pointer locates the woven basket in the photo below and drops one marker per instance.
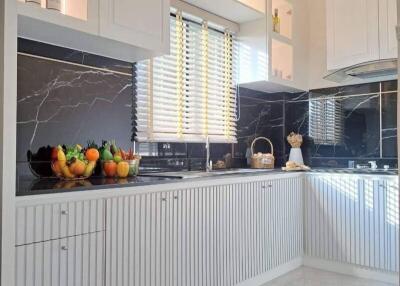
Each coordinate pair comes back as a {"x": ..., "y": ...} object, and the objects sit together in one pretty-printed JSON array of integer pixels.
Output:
[{"x": 262, "y": 160}]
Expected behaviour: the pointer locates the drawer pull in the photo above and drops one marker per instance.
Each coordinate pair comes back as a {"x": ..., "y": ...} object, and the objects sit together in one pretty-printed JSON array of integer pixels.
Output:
[
  {"x": 64, "y": 212},
  {"x": 163, "y": 199},
  {"x": 64, "y": 247},
  {"x": 175, "y": 197}
]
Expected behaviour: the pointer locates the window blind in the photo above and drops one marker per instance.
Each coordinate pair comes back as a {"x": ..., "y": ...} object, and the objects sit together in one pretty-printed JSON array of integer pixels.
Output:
[
  {"x": 326, "y": 121},
  {"x": 191, "y": 93}
]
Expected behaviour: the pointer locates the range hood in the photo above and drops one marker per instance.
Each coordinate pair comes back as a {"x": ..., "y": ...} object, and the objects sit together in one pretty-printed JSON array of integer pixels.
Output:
[{"x": 365, "y": 71}]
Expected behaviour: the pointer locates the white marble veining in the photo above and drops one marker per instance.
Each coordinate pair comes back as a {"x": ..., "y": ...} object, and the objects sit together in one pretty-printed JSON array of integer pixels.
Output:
[{"x": 305, "y": 276}]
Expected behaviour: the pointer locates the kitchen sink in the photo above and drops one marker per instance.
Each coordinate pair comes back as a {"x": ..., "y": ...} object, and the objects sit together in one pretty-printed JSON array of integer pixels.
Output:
[{"x": 202, "y": 174}]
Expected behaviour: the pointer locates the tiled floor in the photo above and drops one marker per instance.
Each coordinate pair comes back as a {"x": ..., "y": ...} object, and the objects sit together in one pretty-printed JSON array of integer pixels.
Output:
[{"x": 305, "y": 276}]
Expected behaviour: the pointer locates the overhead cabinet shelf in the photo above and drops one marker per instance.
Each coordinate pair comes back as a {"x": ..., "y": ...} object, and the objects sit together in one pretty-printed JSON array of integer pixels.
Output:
[
  {"x": 135, "y": 30},
  {"x": 273, "y": 53}
]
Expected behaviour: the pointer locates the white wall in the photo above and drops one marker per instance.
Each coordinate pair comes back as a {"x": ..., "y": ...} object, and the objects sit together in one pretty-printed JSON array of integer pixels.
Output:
[{"x": 8, "y": 124}]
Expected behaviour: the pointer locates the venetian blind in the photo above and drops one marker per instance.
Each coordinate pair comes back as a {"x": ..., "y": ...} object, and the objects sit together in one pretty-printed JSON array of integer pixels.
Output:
[
  {"x": 326, "y": 121},
  {"x": 191, "y": 93}
]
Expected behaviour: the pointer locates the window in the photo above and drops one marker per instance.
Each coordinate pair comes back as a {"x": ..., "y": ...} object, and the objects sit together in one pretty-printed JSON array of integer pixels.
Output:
[
  {"x": 191, "y": 93},
  {"x": 326, "y": 121}
]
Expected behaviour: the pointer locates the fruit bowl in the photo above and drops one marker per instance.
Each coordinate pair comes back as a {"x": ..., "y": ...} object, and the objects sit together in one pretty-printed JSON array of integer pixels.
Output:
[
  {"x": 73, "y": 163},
  {"x": 69, "y": 175},
  {"x": 115, "y": 162}
]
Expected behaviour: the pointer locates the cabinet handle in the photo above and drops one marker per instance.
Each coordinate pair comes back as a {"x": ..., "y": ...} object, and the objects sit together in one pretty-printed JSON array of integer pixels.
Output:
[
  {"x": 268, "y": 186},
  {"x": 64, "y": 212},
  {"x": 64, "y": 247},
  {"x": 163, "y": 199},
  {"x": 175, "y": 197}
]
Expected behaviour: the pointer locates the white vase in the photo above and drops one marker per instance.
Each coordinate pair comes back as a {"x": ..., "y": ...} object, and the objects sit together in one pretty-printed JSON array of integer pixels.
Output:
[{"x": 296, "y": 156}]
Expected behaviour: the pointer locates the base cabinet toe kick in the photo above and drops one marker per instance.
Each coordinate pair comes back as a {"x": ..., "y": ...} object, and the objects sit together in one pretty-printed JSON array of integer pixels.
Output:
[{"x": 242, "y": 232}]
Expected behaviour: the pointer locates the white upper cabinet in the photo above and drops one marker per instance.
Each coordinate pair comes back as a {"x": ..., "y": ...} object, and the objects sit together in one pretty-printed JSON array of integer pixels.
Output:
[
  {"x": 128, "y": 30},
  {"x": 387, "y": 28},
  {"x": 352, "y": 32},
  {"x": 136, "y": 22},
  {"x": 360, "y": 31},
  {"x": 274, "y": 49}
]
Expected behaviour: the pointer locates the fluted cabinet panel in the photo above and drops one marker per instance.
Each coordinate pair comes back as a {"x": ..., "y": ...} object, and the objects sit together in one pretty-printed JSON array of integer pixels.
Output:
[
  {"x": 217, "y": 235},
  {"x": 42, "y": 222},
  {"x": 71, "y": 261},
  {"x": 353, "y": 219}
]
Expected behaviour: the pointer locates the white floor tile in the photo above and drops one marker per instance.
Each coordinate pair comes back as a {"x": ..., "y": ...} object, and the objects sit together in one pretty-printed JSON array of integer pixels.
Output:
[{"x": 305, "y": 276}]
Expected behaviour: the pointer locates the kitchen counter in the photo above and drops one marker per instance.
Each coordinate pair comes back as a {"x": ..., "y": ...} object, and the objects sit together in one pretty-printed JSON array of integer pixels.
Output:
[{"x": 29, "y": 186}]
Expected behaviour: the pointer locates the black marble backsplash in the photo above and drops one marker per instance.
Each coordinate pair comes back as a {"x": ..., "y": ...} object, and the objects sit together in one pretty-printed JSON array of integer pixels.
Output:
[{"x": 67, "y": 96}]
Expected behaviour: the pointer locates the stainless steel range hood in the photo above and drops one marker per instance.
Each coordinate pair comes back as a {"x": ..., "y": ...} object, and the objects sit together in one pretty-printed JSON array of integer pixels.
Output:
[{"x": 369, "y": 70}]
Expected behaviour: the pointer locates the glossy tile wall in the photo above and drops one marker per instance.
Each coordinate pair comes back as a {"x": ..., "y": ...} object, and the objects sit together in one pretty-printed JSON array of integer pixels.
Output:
[
  {"x": 367, "y": 115},
  {"x": 68, "y": 97}
]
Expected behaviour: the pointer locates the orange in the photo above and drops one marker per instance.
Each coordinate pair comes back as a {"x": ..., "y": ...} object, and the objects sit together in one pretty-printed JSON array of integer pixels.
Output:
[
  {"x": 78, "y": 168},
  {"x": 92, "y": 154},
  {"x": 123, "y": 169}
]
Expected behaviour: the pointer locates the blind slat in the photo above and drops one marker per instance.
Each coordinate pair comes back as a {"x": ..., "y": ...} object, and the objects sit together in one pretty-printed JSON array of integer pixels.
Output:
[{"x": 191, "y": 93}]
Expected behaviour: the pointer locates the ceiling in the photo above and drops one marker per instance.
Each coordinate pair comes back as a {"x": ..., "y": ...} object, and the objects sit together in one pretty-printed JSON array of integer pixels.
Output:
[{"x": 232, "y": 10}]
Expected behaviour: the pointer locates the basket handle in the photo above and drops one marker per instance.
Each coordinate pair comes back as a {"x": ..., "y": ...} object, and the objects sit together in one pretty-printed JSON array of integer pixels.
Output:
[{"x": 261, "y": 138}]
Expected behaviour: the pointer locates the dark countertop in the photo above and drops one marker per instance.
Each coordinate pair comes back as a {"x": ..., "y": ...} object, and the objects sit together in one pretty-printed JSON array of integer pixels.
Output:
[
  {"x": 355, "y": 171},
  {"x": 33, "y": 186}
]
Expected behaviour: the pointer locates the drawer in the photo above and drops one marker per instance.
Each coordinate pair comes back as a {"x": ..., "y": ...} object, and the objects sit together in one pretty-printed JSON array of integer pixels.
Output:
[
  {"x": 71, "y": 261},
  {"x": 37, "y": 223}
]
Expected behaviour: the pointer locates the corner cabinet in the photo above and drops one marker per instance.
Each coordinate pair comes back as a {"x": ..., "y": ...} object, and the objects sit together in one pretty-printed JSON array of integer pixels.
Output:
[
  {"x": 215, "y": 235},
  {"x": 353, "y": 219},
  {"x": 360, "y": 31},
  {"x": 136, "y": 22}
]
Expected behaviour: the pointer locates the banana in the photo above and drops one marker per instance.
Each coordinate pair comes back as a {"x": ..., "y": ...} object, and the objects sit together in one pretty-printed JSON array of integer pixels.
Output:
[
  {"x": 61, "y": 157},
  {"x": 89, "y": 168},
  {"x": 66, "y": 172}
]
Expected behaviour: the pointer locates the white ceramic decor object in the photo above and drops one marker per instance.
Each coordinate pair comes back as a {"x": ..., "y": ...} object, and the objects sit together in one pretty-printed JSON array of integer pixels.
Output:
[{"x": 296, "y": 156}]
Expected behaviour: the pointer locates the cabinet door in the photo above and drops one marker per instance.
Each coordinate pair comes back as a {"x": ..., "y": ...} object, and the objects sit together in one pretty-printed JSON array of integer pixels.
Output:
[
  {"x": 139, "y": 23},
  {"x": 37, "y": 223},
  {"x": 387, "y": 28},
  {"x": 72, "y": 261},
  {"x": 352, "y": 219},
  {"x": 352, "y": 32}
]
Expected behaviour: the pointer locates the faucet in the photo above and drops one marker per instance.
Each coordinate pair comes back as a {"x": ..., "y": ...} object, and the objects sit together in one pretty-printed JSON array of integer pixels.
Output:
[
  {"x": 208, "y": 167},
  {"x": 373, "y": 164}
]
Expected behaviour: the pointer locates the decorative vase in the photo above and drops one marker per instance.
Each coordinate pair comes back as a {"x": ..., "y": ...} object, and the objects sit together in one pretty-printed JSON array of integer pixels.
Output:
[{"x": 296, "y": 156}]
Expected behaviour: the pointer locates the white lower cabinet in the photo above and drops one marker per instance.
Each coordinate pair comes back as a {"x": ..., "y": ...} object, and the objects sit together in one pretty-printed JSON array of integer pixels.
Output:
[
  {"x": 217, "y": 235},
  {"x": 71, "y": 261},
  {"x": 353, "y": 219},
  {"x": 46, "y": 221}
]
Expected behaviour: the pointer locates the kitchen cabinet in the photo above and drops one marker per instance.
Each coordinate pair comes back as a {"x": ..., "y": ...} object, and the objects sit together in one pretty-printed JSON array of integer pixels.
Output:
[
  {"x": 352, "y": 32},
  {"x": 136, "y": 22},
  {"x": 353, "y": 219},
  {"x": 215, "y": 235},
  {"x": 360, "y": 31},
  {"x": 387, "y": 28},
  {"x": 71, "y": 261},
  {"x": 43, "y": 222},
  {"x": 275, "y": 61},
  {"x": 119, "y": 29}
]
